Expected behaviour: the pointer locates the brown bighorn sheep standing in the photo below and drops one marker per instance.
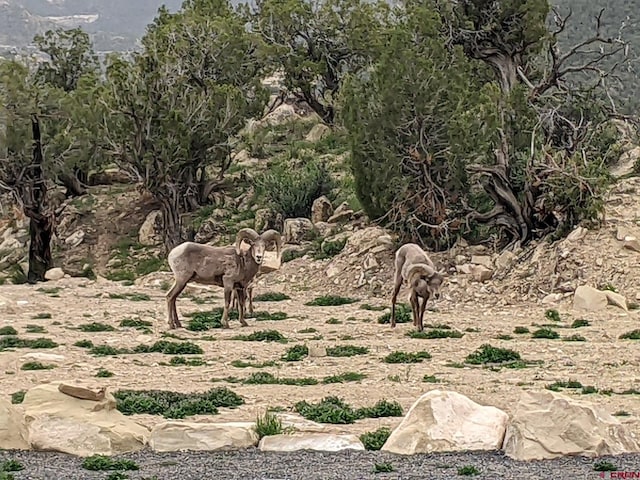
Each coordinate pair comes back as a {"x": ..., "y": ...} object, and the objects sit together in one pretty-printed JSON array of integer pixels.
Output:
[
  {"x": 228, "y": 267},
  {"x": 413, "y": 266}
]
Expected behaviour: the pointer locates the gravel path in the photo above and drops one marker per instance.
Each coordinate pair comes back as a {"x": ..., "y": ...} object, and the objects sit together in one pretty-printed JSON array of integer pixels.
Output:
[{"x": 347, "y": 465}]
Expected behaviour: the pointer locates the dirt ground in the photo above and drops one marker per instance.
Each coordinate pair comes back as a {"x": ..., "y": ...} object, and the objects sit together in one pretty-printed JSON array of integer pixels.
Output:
[{"x": 602, "y": 361}]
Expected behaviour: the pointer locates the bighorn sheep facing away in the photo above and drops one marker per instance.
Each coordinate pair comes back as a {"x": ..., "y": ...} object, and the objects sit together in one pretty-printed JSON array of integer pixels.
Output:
[
  {"x": 227, "y": 267},
  {"x": 414, "y": 266}
]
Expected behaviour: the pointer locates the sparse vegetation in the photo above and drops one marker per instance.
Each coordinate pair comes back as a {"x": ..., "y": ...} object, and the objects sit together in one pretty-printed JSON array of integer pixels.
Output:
[
  {"x": 489, "y": 354},
  {"x": 35, "y": 329},
  {"x": 334, "y": 410},
  {"x": 604, "y": 466},
  {"x": 406, "y": 357},
  {"x": 468, "y": 470},
  {"x": 271, "y": 297},
  {"x": 330, "y": 301},
  {"x": 11, "y": 341},
  {"x": 18, "y": 397},
  {"x": 103, "y": 462},
  {"x": 84, "y": 344},
  {"x": 574, "y": 338},
  {"x": 403, "y": 315},
  {"x": 431, "y": 379},
  {"x": 383, "y": 467},
  {"x": 41, "y": 316},
  {"x": 580, "y": 323},
  {"x": 262, "y": 336},
  {"x": 174, "y": 404},
  {"x": 180, "y": 361},
  {"x": 346, "y": 351},
  {"x": 35, "y": 366},
  {"x": 375, "y": 440},
  {"x": 632, "y": 335},
  {"x": 552, "y": 314},
  {"x": 134, "y": 297},
  {"x": 243, "y": 364},
  {"x": 435, "y": 333},
  {"x": 95, "y": 327},
  {"x": 104, "y": 373},
  {"x": 344, "y": 377},
  {"x": 520, "y": 330},
  {"x": 295, "y": 353},
  {"x": 545, "y": 333},
  {"x": 8, "y": 330},
  {"x": 268, "y": 424}
]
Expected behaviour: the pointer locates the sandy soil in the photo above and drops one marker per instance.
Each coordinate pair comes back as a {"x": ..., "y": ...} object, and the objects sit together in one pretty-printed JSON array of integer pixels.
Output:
[{"x": 603, "y": 361}]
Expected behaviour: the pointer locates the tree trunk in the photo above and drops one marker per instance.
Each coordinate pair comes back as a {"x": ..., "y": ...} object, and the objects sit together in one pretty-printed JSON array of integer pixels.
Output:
[
  {"x": 34, "y": 199},
  {"x": 172, "y": 224},
  {"x": 40, "y": 231},
  {"x": 73, "y": 185}
]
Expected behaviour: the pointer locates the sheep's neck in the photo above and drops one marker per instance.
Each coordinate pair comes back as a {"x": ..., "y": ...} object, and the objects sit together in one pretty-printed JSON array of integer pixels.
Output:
[{"x": 246, "y": 267}]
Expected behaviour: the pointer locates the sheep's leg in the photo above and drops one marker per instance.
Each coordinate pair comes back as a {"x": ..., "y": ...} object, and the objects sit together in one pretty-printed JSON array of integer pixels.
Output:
[
  {"x": 241, "y": 304},
  {"x": 394, "y": 298},
  {"x": 228, "y": 292},
  {"x": 421, "y": 316},
  {"x": 415, "y": 308},
  {"x": 172, "y": 296},
  {"x": 250, "y": 294}
]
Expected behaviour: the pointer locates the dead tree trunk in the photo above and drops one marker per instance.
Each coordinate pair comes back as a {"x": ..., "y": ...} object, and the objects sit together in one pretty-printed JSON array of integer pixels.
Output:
[
  {"x": 42, "y": 221},
  {"x": 171, "y": 219}
]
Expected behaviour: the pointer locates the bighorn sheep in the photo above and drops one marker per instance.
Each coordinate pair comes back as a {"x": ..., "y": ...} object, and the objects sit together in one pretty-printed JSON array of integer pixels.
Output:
[
  {"x": 413, "y": 266},
  {"x": 228, "y": 267}
]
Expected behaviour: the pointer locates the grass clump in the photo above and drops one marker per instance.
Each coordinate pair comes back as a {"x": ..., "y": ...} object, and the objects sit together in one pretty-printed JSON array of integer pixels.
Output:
[
  {"x": 265, "y": 378},
  {"x": 436, "y": 333},
  {"x": 18, "y": 397},
  {"x": 180, "y": 361},
  {"x": 295, "y": 353},
  {"x": 376, "y": 439},
  {"x": 103, "y": 462},
  {"x": 266, "y": 316},
  {"x": 134, "y": 297},
  {"x": 136, "y": 323},
  {"x": 632, "y": 335},
  {"x": 406, "y": 357},
  {"x": 580, "y": 323},
  {"x": 545, "y": 333},
  {"x": 334, "y": 410},
  {"x": 262, "y": 336},
  {"x": 574, "y": 338},
  {"x": 520, "y": 330},
  {"x": 271, "y": 297},
  {"x": 106, "y": 350},
  {"x": 175, "y": 404},
  {"x": 552, "y": 314},
  {"x": 373, "y": 308},
  {"x": 35, "y": 329},
  {"x": 11, "y": 341},
  {"x": 330, "y": 301},
  {"x": 604, "y": 466},
  {"x": 95, "y": 327},
  {"x": 41, "y": 316},
  {"x": 35, "y": 366},
  {"x": 11, "y": 465},
  {"x": 468, "y": 470},
  {"x": 170, "y": 348},
  {"x": 333, "y": 321},
  {"x": 84, "y": 344},
  {"x": 431, "y": 379},
  {"x": 344, "y": 377},
  {"x": 244, "y": 364},
  {"x": 346, "y": 351},
  {"x": 384, "y": 467},
  {"x": 268, "y": 424},
  {"x": 489, "y": 354},
  {"x": 403, "y": 315},
  {"x": 556, "y": 386},
  {"x": 8, "y": 330},
  {"x": 103, "y": 373}
]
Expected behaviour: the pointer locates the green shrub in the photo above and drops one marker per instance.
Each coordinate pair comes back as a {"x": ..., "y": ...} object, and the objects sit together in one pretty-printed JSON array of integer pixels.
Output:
[
  {"x": 376, "y": 439},
  {"x": 403, "y": 315},
  {"x": 436, "y": 333},
  {"x": 271, "y": 297},
  {"x": 405, "y": 357},
  {"x": 35, "y": 366},
  {"x": 95, "y": 327},
  {"x": 8, "y": 330},
  {"x": 291, "y": 191},
  {"x": 170, "y": 348},
  {"x": 344, "y": 377},
  {"x": 11, "y": 341},
  {"x": 545, "y": 333},
  {"x": 552, "y": 315},
  {"x": 520, "y": 330},
  {"x": 330, "y": 301},
  {"x": 632, "y": 335},
  {"x": 268, "y": 424},
  {"x": 346, "y": 351},
  {"x": 103, "y": 462},
  {"x": 580, "y": 323},
  {"x": 335, "y": 411},
  {"x": 103, "y": 373},
  {"x": 488, "y": 354},
  {"x": 175, "y": 404},
  {"x": 295, "y": 353},
  {"x": 262, "y": 336}
]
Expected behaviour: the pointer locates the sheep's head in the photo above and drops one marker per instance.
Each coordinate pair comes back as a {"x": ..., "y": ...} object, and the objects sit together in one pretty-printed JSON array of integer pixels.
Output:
[
  {"x": 425, "y": 280},
  {"x": 259, "y": 243}
]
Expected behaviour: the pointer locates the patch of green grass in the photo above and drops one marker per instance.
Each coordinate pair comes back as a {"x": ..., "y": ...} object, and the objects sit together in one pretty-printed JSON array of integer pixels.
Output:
[
  {"x": 437, "y": 333},
  {"x": 403, "y": 315},
  {"x": 41, "y": 316},
  {"x": 11, "y": 465},
  {"x": 84, "y": 344},
  {"x": 175, "y": 404},
  {"x": 180, "y": 361},
  {"x": 103, "y": 373},
  {"x": 580, "y": 323},
  {"x": 262, "y": 336},
  {"x": 344, "y": 377},
  {"x": 604, "y": 466},
  {"x": 489, "y": 354},
  {"x": 308, "y": 330},
  {"x": 103, "y": 462},
  {"x": 243, "y": 364},
  {"x": 384, "y": 467},
  {"x": 468, "y": 470},
  {"x": 330, "y": 301},
  {"x": 268, "y": 424},
  {"x": 520, "y": 330},
  {"x": 574, "y": 338},
  {"x": 295, "y": 353},
  {"x": 556, "y": 386},
  {"x": 335, "y": 411},
  {"x": 545, "y": 333},
  {"x": 95, "y": 327},
  {"x": 18, "y": 397},
  {"x": 266, "y": 316},
  {"x": 271, "y": 297},
  {"x": 406, "y": 357},
  {"x": 8, "y": 330},
  {"x": 35, "y": 329},
  {"x": 142, "y": 325},
  {"x": 503, "y": 336},
  {"x": 266, "y": 378},
  {"x": 11, "y": 341},
  {"x": 134, "y": 297},
  {"x": 378, "y": 308},
  {"x": 376, "y": 439},
  {"x": 333, "y": 321},
  {"x": 170, "y": 348},
  {"x": 200, "y": 321},
  {"x": 35, "y": 366},
  {"x": 431, "y": 379},
  {"x": 552, "y": 314},
  {"x": 53, "y": 291},
  {"x": 346, "y": 351},
  {"x": 632, "y": 335},
  {"x": 622, "y": 413},
  {"x": 106, "y": 350}
]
